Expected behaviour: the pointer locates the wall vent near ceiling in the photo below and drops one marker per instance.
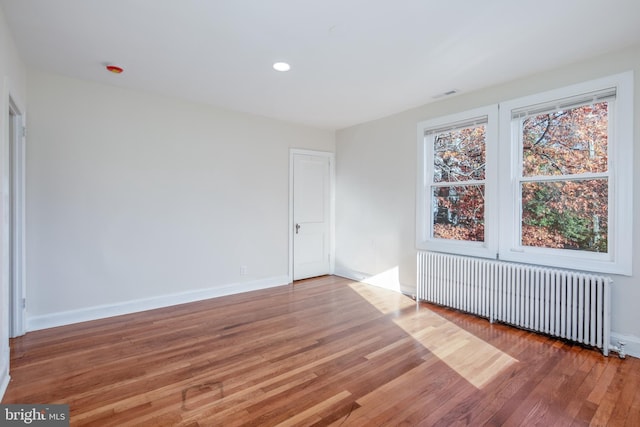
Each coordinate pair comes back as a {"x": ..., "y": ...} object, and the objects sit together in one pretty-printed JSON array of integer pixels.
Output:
[{"x": 447, "y": 93}]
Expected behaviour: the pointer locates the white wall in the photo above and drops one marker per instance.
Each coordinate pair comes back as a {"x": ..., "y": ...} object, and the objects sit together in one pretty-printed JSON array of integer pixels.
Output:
[
  {"x": 376, "y": 179},
  {"x": 136, "y": 200},
  {"x": 13, "y": 75}
]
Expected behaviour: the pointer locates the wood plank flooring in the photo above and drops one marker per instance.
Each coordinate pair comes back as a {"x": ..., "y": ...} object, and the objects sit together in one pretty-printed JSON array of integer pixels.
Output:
[{"x": 325, "y": 351}]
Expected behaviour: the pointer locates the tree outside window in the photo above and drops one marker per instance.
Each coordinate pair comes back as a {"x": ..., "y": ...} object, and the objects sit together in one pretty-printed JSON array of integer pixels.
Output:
[
  {"x": 458, "y": 209},
  {"x": 545, "y": 179},
  {"x": 564, "y": 188}
]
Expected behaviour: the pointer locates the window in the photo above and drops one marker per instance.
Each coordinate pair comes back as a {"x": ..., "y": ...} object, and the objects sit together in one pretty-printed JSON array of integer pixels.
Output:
[
  {"x": 457, "y": 205},
  {"x": 554, "y": 188},
  {"x": 568, "y": 175}
]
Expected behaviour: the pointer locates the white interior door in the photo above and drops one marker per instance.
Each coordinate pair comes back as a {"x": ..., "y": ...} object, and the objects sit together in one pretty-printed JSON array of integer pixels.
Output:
[{"x": 311, "y": 215}]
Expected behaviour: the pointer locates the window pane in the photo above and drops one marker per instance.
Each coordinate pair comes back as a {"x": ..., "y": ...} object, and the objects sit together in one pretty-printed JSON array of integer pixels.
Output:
[
  {"x": 566, "y": 142},
  {"x": 566, "y": 215},
  {"x": 458, "y": 213},
  {"x": 459, "y": 155}
]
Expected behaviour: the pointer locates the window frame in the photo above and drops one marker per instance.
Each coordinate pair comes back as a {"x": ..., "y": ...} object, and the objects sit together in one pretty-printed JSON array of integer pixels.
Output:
[
  {"x": 487, "y": 115},
  {"x": 618, "y": 259},
  {"x": 502, "y": 238}
]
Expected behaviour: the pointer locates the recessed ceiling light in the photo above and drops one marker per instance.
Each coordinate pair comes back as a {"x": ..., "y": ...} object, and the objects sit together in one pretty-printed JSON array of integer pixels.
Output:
[{"x": 281, "y": 66}]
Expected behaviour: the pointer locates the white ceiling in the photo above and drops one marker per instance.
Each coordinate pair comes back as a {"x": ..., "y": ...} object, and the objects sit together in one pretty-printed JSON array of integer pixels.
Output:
[{"x": 352, "y": 60}]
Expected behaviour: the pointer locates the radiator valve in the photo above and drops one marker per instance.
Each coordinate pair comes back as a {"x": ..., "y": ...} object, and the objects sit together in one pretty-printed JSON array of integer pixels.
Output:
[
  {"x": 621, "y": 353},
  {"x": 619, "y": 349}
]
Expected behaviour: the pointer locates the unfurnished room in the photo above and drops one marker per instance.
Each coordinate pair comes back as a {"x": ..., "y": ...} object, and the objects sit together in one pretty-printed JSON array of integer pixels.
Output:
[{"x": 319, "y": 213}]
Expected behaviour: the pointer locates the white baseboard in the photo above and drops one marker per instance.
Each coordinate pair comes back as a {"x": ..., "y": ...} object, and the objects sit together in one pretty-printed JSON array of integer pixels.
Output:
[
  {"x": 387, "y": 280},
  {"x": 631, "y": 343},
  {"x": 109, "y": 310},
  {"x": 350, "y": 274}
]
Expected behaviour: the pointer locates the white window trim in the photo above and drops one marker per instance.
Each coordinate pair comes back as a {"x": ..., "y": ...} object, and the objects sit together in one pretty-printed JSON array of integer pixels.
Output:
[
  {"x": 502, "y": 218},
  {"x": 424, "y": 211},
  {"x": 619, "y": 258}
]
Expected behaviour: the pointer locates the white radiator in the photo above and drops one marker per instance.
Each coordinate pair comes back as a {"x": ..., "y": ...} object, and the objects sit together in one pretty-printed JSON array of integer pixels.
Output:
[{"x": 565, "y": 304}]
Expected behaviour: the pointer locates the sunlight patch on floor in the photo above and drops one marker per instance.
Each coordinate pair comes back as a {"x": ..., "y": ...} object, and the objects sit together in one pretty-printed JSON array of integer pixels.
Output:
[
  {"x": 386, "y": 301},
  {"x": 474, "y": 359}
]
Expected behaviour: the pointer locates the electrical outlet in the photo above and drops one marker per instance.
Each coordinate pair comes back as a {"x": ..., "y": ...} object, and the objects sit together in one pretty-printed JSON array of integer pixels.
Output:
[{"x": 244, "y": 270}]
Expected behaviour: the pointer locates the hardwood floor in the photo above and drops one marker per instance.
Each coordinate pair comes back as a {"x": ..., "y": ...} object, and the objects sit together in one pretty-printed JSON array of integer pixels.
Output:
[{"x": 325, "y": 351}]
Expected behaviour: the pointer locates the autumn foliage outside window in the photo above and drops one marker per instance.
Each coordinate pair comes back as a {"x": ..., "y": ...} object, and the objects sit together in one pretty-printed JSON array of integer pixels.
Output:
[
  {"x": 459, "y": 184},
  {"x": 564, "y": 184},
  {"x": 545, "y": 179}
]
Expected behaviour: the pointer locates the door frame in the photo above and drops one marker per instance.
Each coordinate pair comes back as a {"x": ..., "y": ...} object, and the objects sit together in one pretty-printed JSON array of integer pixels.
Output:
[
  {"x": 332, "y": 186},
  {"x": 13, "y": 223}
]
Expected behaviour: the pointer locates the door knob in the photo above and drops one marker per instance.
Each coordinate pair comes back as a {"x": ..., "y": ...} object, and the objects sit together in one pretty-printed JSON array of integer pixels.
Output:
[{"x": 297, "y": 228}]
